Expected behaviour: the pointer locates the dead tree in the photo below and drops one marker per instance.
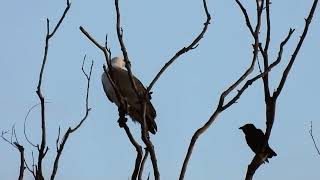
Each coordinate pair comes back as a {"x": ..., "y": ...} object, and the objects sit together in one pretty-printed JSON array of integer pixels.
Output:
[
  {"x": 240, "y": 85},
  {"x": 36, "y": 169},
  {"x": 270, "y": 100},
  {"x": 144, "y": 98}
]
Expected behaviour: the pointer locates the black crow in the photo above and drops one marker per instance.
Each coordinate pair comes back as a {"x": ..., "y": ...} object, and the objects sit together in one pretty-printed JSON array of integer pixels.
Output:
[{"x": 255, "y": 138}]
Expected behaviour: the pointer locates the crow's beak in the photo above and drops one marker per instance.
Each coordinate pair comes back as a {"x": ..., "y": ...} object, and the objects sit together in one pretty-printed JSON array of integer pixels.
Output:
[{"x": 241, "y": 127}]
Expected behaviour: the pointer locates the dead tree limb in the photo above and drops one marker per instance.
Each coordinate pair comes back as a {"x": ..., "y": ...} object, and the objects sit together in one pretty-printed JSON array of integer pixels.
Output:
[
  {"x": 24, "y": 126},
  {"x": 313, "y": 140},
  {"x": 72, "y": 130},
  {"x": 43, "y": 149},
  {"x": 270, "y": 101},
  {"x": 139, "y": 152},
  {"x": 31, "y": 170},
  {"x": 145, "y": 97},
  {"x": 123, "y": 47},
  {"x": 145, "y": 157},
  {"x": 22, "y": 160},
  {"x": 142, "y": 97},
  {"x": 14, "y": 143},
  {"x": 222, "y": 105},
  {"x": 144, "y": 133},
  {"x": 194, "y": 44},
  {"x": 122, "y": 109}
]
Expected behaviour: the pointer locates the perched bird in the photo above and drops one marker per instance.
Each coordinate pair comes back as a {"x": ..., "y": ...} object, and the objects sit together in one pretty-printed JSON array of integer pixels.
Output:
[
  {"x": 255, "y": 138},
  {"x": 123, "y": 82}
]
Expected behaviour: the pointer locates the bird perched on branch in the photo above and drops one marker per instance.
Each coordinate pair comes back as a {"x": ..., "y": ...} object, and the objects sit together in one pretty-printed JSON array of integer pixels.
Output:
[
  {"x": 255, "y": 138},
  {"x": 122, "y": 80}
]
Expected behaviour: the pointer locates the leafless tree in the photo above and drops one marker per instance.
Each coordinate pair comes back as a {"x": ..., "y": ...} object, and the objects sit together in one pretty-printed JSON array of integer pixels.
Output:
[
  {"x": 271, "y": 99},
  {"x": 222, "y": 105},
  {"x": 144, "y": 98},
  {"x": 260, "y": 47},
  {"x": 37, "y": 166}
]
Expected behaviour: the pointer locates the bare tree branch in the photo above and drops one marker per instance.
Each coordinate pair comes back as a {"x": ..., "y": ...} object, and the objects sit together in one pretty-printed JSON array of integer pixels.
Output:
[
  {"x": 267, "y": 41},
  {"x": 146, "y": 139},
  {"x": 314, "y": 142},
  {"x": 296, "y": 51},
  {"x": 255, "y": 52},
  {"x": 122, "y": 109},
  {"x": 244, "y": 12},
  {"x": 25, "y": 124},
  {"x": 123, "y": 47},
  {"x": 17, "y": 146},
  {"x": 261, "y": 75},
  {"x": 32, "y": 171},
  {"x": 221, "y": 107},
  {"x": 43, "y": 148},
  {"x": 264, "y": 75},
  {"x": 142, "y": 97},
  {"x": 22, "y": 160},
  {"x": 271, "y": 100},
  {"x": 72, "y": 130},
  {"x": 265, "y": 52},
  {"x": 138, "y": 149},
  {"x": 192, "y": 46},
  {"x": 145, "y": 157}
]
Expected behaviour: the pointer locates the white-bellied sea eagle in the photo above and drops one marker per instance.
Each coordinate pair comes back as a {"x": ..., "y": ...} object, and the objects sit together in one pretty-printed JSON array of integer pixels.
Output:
[{"x": 122, "y": 80}]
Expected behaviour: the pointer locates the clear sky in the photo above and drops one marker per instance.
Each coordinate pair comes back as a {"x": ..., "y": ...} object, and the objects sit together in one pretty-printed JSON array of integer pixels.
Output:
[{"x": 184, "y": 97}]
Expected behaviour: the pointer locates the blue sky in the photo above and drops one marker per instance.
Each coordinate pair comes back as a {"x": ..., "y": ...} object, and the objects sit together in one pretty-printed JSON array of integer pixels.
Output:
[{"x": 184, "y": 97}]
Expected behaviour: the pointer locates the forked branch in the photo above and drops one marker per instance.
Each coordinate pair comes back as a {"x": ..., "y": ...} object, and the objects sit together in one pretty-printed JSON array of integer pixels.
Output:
[
  {"x": 271, "y": 100},
  {"x": 43, "y": 147},
  {"x": 13, "y": 141},
  {"x": 122, "y": 109},
  {"x": 221, "y": 105},
  {"x": 142, "y": 97},
  {"x": 72, "y": 130},
  {"x": 296, "y": 51},
  {"x": 194, "y": 44}
]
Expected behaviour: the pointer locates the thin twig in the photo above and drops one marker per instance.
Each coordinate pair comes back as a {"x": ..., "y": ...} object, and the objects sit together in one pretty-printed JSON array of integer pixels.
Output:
[
  {"x": 58, "y": 139},
  {"x": 314, "y": 142},
  {"x": 261, "y": 75},
  {"x": 192, "y": 46},
  {"x": 25, "y": 124},
  {"x": 296, "y": 51},
  {"x": 29, "y": 169},
  {"x": 71, "y": 130},
  {"x": 267, "y": 41}
]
